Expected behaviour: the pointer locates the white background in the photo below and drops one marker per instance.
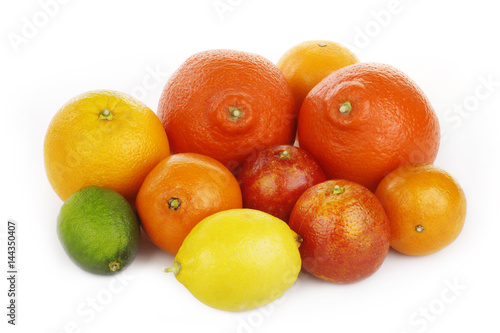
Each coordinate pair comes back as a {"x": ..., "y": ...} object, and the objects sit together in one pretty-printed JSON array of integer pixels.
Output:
[{"x": 451, "y": 50}]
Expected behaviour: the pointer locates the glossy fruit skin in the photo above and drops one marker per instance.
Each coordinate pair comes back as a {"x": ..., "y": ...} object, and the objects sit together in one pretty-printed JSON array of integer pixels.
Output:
[
  {"x": 391, "y": 122},
  {"x": 179, "y": 192},
  {"x": 273, "y": 179},
  {"x": 346, "y": 236},
  {"x": 83, "y": 148},
  {"x": 306, "y": 64},
  {"x": 227, "y": 104},
  {"x": 99, "y": 230},
  {"x": 426, "y": 208},
  {"x": 239, "y": 259}
]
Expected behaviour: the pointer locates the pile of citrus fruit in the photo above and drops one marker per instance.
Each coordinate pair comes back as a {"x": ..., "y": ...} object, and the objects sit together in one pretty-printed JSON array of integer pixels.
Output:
[{"x": 250, "y": 171}]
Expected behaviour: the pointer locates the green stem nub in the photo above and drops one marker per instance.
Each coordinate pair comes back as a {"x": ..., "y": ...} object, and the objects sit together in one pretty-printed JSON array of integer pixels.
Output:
[
  {"x": 284, "y": 155},
  {"x": 419, "y": 228},
  {"x": 174, "y": 203},
  {"x": 322, "y": 44},
  {"x": 114, "y": 266},
  {"x": 345, "y": 108},
  {"x": 176, "y": 267},
  {"x": 338, "y": 190},
  {"x": 106, "y": 115},
  {"x": 235, "y": 113}
]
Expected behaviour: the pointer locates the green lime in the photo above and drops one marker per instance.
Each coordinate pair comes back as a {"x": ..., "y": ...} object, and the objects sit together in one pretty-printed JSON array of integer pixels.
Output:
[{"x": 99, "y": 230}]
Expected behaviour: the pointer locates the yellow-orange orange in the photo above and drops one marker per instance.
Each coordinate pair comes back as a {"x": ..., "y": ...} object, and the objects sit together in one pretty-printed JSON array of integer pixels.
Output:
[
  {"x": 103, "y": 138},
  {"x": 306, "y": 64}
]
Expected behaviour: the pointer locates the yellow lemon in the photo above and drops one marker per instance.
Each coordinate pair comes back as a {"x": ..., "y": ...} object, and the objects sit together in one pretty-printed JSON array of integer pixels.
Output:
[{"x": 238, "y": 259}]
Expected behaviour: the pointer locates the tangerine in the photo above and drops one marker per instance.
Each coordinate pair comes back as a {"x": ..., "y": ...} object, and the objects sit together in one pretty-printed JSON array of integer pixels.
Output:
[
  {"x": 426, "y": 208},
  {"x": 227, "y": 104},
  {"x": 365, "y": 120},
  {"x": 179, "y": 192},
  {"x": 306, "y": 64}
]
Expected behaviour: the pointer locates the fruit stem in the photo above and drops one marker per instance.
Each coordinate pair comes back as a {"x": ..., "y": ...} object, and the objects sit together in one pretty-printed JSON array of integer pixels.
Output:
[
  {"x": 106, "y": 115},
  {"x": 419, "y": 228},
  {"x": 284, "y": 155},
  {"x": 176, "y": 267},
  {"x": 174, "y": 203},
  {"x": 338, "y": 190},
  {"x": 345, "y": 108},
  {"x": 235, "y": 113},
  {"x": 299, "y": 239},
  {"x": 114, "y": 266}
]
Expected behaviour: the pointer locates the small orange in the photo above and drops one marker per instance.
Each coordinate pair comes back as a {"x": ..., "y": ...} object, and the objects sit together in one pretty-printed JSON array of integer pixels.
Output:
[
  {"x": 306, "y": 64},
  {"x": 426, "y": 208},
  {"x": 103, "y": 138},
  {"x": 179, "y": 192},
  {"x": 227, "y": 104},
  {"x": 365, "y": 120}
]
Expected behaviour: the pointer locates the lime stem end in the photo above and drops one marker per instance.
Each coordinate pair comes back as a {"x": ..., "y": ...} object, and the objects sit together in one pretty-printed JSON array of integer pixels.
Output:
[{"x": 114, "y": 266}]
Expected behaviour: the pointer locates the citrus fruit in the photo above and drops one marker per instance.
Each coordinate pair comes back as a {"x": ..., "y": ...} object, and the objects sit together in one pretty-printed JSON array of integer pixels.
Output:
[
  {"x": 364, "y": 120},
  {"x": 273, "y": 179},
  {"x": 103, "y": 138},
  {"x": 345, "y": 231},
  {"x": 306, "y": 64},
  {"x": 238, "y": 259},
  {"x": 99, "y": 230},
  {"x": 227, "y": 104},
  {"x": 426, "y": 208},
  {"x": 179, "y": 192}
]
